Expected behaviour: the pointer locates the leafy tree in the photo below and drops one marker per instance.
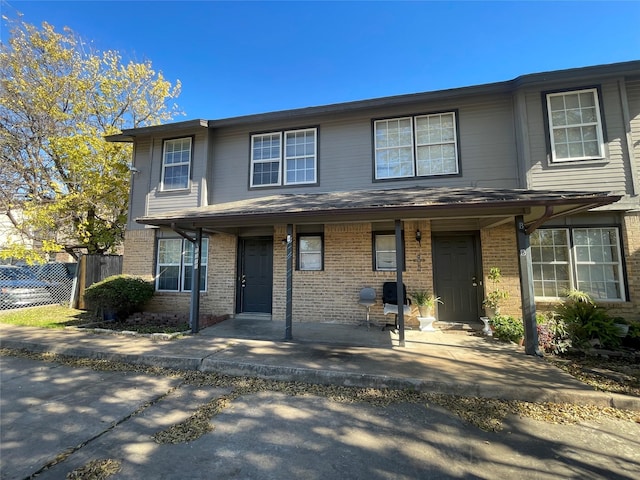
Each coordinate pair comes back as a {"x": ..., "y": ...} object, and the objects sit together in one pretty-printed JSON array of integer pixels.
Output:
[{"x": 58, "y": 99}]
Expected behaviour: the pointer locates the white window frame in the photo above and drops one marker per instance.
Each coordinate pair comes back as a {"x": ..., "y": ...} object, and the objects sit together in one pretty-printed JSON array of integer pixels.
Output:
[
  {"x": 581, "y": 125},
  {"x": 616, "y": 265},
  {"x": 302, "y": 252},
  {"x": 376, "y": 251},
  {"x": 574, "y": 263},
  {"x": 388, "y": 148},
  {"x": 277, "y": 159},
  {"x": 296, "y": 157},
  {"x": 382, "y": 151},
  {"x": 555, "y": 263},
  {"x": 166, "y": 166},
  {"x": 283, "y": 158},
  {"x": 183, "y": 264}
]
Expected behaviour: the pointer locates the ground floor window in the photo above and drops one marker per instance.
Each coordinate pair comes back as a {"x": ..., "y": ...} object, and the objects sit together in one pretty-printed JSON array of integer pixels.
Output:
[
  {"x": 310, "y": 252},
  {"x": 175, "y": 265},
  {"x": 384, "y": 251},
  {"x": 587, "y": 259}
]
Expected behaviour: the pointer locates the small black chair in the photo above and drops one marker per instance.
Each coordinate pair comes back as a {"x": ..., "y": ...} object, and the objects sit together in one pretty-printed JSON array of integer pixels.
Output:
[{"x": 390, "y": 302}]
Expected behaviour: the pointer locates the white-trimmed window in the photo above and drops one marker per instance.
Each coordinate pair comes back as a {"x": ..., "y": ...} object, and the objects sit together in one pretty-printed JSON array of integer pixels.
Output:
[
  {"x": 587, "y": 259},
  {"x": 384, "y": 251},
  {"x": 424, "y": 145},
  {"x": 175, "y": 265},
  {"x": 176, "y": 164},
  {"x": 265, "y": 159},
  {"x": 310, "y": 252},
  {"x": 298, "y": 158},
  {"x": 550, "y": 262},
  {"x": 575, "y": 125}
]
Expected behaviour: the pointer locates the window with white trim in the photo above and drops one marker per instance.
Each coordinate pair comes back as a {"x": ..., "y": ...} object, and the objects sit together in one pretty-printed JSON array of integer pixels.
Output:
[
  {"x": 575, "y": 125},
  {"x": 296, "y": 160},
  {"x": 423, "y": 145},
  {"x": 384, "y": 251},
  {"x": 310, "y": 252},
  {"x": 176, "y": 164},
  {"x": 175, "y": 265},
  {"x": 587, "y": 259}
]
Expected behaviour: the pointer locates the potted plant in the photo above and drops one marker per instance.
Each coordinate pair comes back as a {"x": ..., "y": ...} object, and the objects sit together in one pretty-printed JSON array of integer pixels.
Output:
[
  {"x": 508, "y": 328},
  {"x": 496, "y": 295},
  {"x": 425, "y": 302}
]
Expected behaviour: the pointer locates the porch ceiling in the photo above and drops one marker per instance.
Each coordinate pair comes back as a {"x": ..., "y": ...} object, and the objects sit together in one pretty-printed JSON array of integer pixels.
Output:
[{"x": 490, "y": 206}]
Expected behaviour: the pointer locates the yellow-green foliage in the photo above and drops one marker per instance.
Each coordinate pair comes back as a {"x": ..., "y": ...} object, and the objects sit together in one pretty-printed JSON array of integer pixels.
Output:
[{"x": 58, "y": 99}]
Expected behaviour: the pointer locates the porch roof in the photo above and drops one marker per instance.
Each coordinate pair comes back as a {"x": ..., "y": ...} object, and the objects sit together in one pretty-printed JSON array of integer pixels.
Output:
[{"x": 492, "y": 206}]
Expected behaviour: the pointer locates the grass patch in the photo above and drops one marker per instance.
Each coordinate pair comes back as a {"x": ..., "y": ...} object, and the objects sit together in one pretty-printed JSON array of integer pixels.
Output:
[{"x": 49, "y": 316}]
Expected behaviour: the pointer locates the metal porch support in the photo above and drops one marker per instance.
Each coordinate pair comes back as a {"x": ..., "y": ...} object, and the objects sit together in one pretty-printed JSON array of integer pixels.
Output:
[
  {"x": 289, "y": 301},
  {"x": 531, "y": 346},
  {"x": 399, "y": 285},
  {"x": 194, "y": 310}
]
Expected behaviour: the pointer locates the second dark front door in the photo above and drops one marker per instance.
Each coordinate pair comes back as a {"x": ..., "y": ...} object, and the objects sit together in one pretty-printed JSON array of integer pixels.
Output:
[
  {"x": 255, "y": 275},
  {"x": 456, "y": 274}
]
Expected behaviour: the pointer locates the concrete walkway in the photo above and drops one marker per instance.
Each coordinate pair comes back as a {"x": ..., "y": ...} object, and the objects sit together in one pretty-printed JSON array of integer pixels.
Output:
[{"x": 335, "y": 354}]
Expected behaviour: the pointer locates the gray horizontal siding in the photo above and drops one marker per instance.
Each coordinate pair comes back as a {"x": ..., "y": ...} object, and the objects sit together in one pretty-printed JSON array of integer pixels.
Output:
[
  {"x": 146, "y": 197},
  {"x": 633, "y": 96},
  {"x": 609, "y": 175},
  {"x": 345, "y": 151},
  {"x": 159, "y": 201}
]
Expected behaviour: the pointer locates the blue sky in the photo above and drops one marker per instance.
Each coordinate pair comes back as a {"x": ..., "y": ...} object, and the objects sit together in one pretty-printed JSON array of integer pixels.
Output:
[{"x": 238, "y": 58}]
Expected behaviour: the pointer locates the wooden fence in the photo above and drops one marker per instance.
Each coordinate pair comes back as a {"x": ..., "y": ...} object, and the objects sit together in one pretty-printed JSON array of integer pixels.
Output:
[{"x": 92, "y": 269}]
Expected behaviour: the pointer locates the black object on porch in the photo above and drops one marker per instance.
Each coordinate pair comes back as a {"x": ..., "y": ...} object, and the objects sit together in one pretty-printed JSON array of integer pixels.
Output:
[{"x": 390, "y": 302}]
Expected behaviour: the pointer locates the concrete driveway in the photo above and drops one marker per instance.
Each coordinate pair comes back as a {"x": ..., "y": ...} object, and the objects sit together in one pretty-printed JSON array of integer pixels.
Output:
[{"x": 78, "y": 415}]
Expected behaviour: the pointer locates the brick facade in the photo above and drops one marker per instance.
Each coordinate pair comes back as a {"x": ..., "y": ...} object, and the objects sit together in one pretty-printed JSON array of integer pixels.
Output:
[
  {"x": 331, "y": 295},
  {"x": 499, "y": 249},
  {"x": 630, "y": 236}
]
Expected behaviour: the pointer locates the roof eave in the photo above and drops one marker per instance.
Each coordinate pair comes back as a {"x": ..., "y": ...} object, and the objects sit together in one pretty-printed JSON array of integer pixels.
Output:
[{"x": 480, "y": 209}]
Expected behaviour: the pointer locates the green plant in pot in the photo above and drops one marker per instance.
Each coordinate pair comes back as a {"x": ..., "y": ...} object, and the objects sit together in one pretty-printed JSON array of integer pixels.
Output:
[
  {"x": 425, "y": 302},
  {"x": 507, "y": 328},
  {"x": 496, "y": 295}
]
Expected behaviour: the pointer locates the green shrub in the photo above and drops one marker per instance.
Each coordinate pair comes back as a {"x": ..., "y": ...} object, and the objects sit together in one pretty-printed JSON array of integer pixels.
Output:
[
  {"x": 507, "y": 328},
  {"x": 587, "y": 322},
  {"x": 120, "y": 294}
]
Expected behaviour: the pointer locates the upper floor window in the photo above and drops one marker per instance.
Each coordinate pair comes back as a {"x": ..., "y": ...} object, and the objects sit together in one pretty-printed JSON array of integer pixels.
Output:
[
  {"x": 176, "y": 164},
  {"x": 575, "y": 125},
  {"x": 296, "y": 160},
  {"x": 424, "y": 145}
]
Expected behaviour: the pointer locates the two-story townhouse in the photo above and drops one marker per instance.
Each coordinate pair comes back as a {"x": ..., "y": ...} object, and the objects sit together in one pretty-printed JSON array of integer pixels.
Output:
[{"x": 294, "y": 212}]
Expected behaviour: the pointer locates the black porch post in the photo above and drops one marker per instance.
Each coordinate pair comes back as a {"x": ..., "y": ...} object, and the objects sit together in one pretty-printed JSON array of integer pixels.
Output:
[
  {"x": 289, "y": 309},
  {"x": 531, "y": 346},
  {"x": 194, "y": 311},
  {"x": 400, "y": 286}
]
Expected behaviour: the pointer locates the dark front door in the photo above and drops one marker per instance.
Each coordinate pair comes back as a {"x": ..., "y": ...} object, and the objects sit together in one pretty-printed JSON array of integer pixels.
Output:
[
  {"x": 456, "y": 273},
  {"x": 255, "y": 275}
]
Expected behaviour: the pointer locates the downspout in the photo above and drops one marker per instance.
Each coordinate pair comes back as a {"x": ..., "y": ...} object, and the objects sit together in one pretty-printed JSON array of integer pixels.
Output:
[{"x": 548, "y": 212}]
